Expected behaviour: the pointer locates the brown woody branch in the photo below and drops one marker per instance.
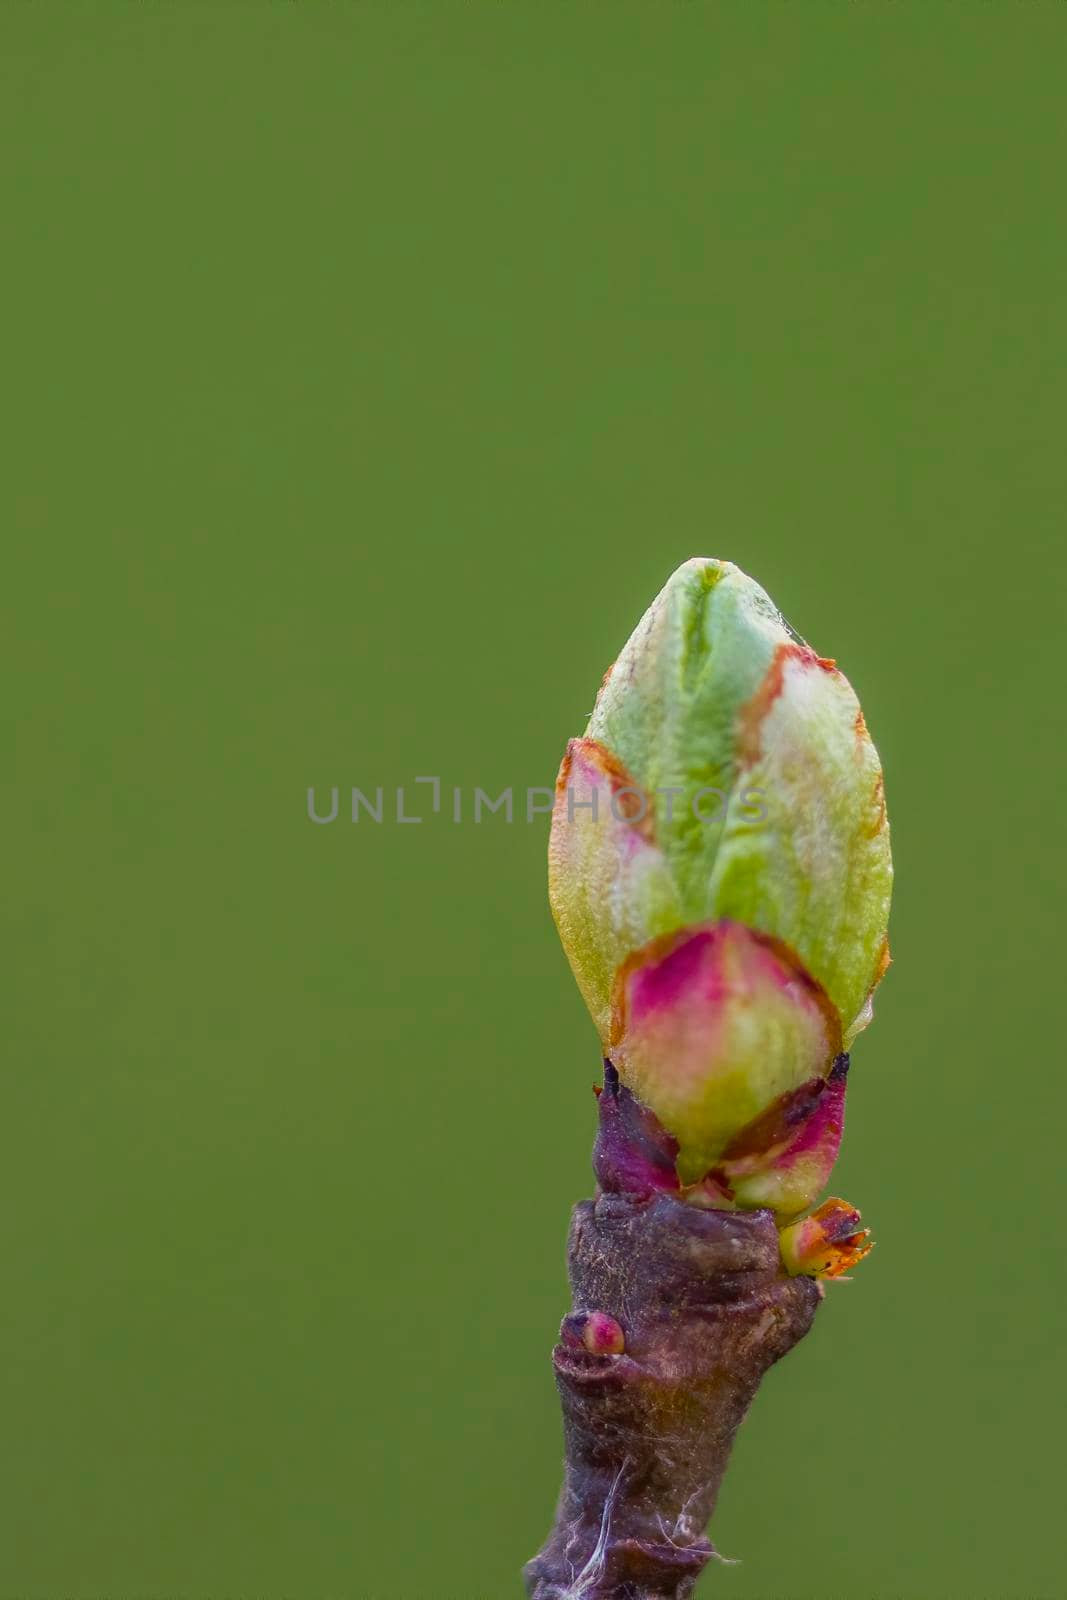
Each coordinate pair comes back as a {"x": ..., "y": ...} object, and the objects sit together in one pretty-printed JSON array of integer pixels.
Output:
[{"x": 700, "y": 1306}]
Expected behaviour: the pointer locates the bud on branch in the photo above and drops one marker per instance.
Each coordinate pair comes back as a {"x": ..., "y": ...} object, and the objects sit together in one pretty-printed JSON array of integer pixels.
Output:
[
  {"x": 728, "y": 963},
  {"x": 727, "y": 967}
]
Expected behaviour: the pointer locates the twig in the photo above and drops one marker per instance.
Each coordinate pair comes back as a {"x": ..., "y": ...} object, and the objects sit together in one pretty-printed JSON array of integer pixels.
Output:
[{"x": 704, "y": 1309}]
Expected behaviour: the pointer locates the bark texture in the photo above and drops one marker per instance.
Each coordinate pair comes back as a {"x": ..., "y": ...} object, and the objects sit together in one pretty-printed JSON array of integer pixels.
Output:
[{"x": 704, "y": 1308}]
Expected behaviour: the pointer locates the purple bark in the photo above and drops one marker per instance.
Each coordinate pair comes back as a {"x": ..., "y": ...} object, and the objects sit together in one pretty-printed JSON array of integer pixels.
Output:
[{"x": 704, "y": 1309}]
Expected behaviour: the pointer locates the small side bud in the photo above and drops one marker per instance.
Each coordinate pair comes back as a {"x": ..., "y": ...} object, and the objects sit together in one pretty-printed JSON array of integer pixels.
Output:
[
  {"x": 593, "y": 1331},
  {"x": 602, "y": 1335},
  {"x": 827, "y": 1244}
]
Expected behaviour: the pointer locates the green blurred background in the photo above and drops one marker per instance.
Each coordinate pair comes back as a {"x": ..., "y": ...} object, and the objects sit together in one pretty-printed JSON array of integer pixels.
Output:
[{"x": 367, "y": 368}]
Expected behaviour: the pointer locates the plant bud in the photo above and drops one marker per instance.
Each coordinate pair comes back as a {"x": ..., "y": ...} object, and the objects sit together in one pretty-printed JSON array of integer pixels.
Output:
[
  {"x": 720, "y": 874},
  {"x": 826, "y": 1244}
]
